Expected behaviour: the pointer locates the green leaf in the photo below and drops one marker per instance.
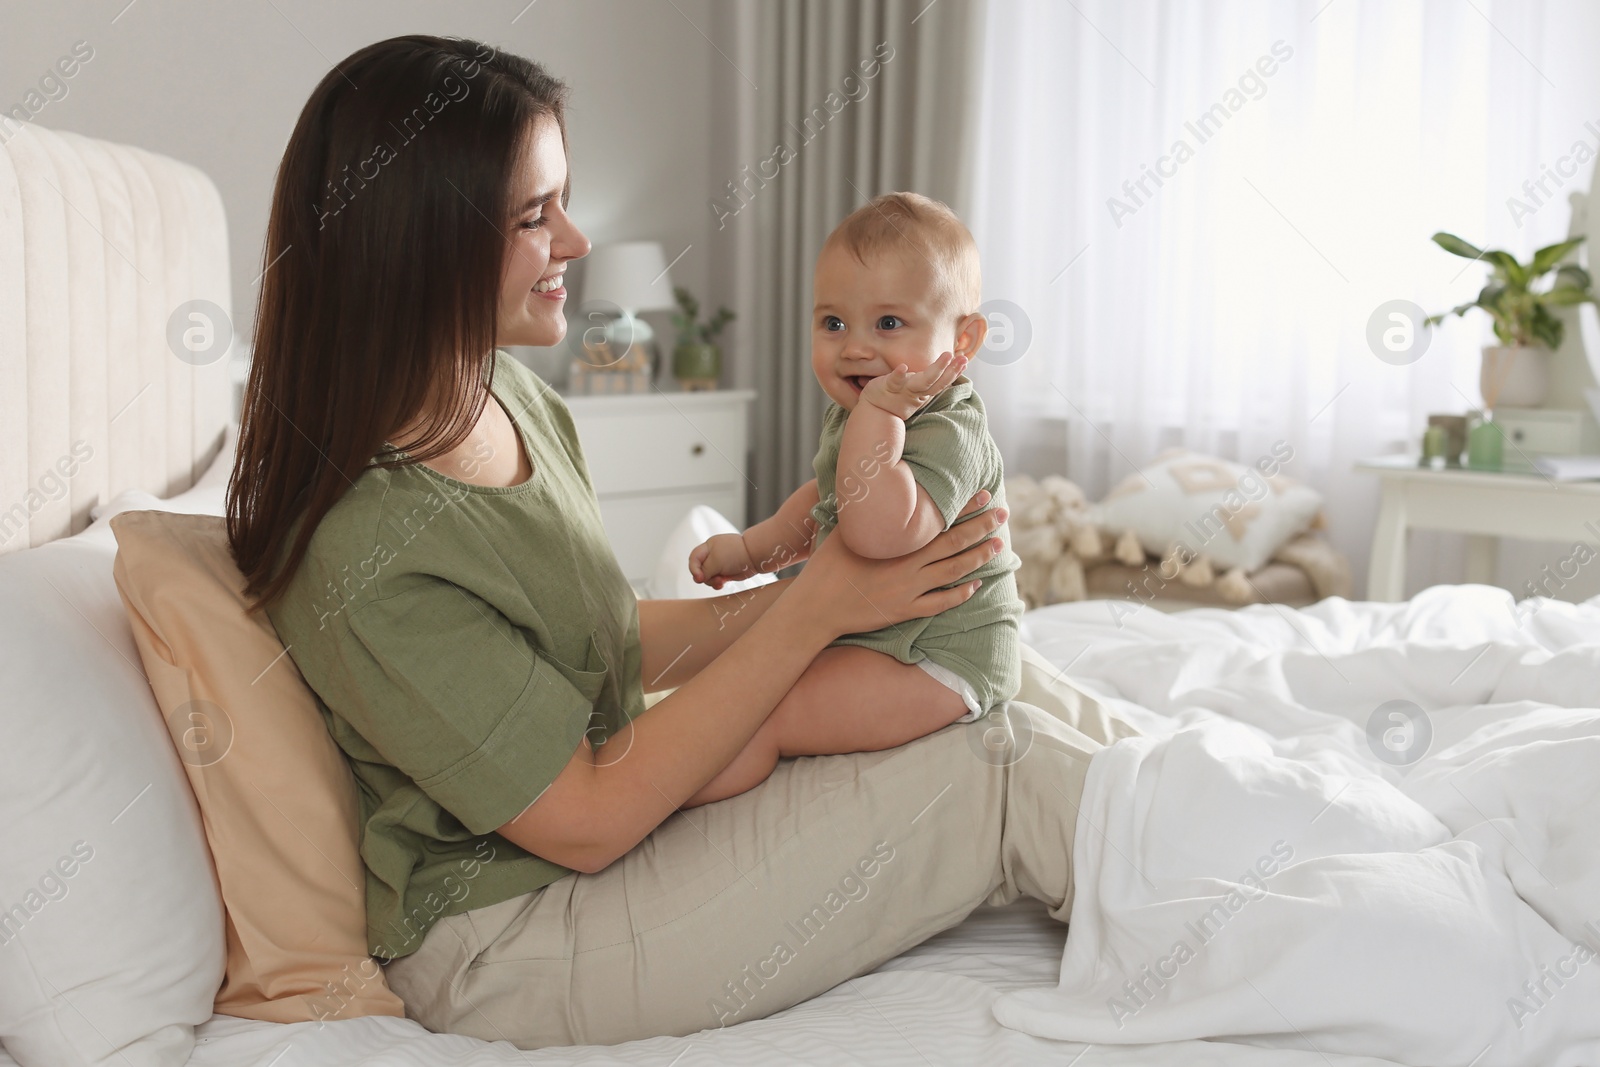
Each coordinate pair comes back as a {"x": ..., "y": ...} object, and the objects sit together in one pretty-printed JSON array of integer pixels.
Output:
[
  {"x": 1494, "y": 299},
  {"x": 1550, "y": 255},
  {"x": 1507, "y": 267},
  {"x": 686, "y": 301},
  {"x": 1456, "y": 246},
  {"x": 1564, "y": 296},
  {"x": 1572, "y": 276},
  {"x": 1491, "y": 297},
  {"x": 1546, "y": 327}
]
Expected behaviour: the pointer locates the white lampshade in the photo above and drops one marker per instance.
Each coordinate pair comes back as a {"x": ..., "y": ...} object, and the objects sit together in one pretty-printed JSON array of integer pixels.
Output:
[{"x": 631, "y": 274}]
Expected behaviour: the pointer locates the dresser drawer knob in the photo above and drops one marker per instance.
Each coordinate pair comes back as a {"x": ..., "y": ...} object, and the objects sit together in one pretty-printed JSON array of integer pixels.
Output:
[{"x": 697, "y": 449}]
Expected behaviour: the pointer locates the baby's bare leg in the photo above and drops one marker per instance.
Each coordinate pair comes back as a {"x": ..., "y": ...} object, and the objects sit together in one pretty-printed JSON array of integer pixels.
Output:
[{"x": 849, "y": 700}]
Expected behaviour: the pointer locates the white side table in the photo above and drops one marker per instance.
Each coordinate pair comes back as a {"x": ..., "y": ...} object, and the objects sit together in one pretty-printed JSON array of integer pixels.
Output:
[
  {"x": 653, "y": 456},
  {"x": 1486, "y": 505}
]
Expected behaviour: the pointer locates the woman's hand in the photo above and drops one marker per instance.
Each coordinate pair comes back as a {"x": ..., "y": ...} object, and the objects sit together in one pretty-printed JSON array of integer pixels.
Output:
[{"x": 854, "y": 594}]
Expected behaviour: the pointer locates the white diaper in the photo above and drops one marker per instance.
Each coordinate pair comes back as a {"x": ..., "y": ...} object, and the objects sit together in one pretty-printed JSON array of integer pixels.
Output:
[{"x": 953, "y": 681}]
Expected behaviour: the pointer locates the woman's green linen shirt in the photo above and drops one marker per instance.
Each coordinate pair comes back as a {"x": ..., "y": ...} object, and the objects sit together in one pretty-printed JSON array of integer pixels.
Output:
[{"x": 462, "y": 640}]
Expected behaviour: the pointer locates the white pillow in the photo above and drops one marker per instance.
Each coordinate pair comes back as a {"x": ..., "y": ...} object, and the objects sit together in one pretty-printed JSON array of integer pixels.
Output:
[
  {"x": 205, "y": 497},
  {"x": 111, "y": 930},
  {"x": 1236, "y": 515},
  {"x": 672, "y": 581}
]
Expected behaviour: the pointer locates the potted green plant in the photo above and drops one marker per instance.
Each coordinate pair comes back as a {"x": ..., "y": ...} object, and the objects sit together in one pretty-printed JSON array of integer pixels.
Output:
[
  {"x": 697, "y": 361},
  {"x": 1514, "y": 372}
]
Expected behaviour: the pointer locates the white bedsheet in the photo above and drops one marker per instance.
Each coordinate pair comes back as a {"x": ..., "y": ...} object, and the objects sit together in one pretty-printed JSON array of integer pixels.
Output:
[
  {"x": 931, "y": 1005},
  {"x": 1301, "y": 685}
]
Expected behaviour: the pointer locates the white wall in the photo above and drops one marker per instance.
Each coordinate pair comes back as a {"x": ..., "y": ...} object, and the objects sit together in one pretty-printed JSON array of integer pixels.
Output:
[{"x": 220, "y": 86}]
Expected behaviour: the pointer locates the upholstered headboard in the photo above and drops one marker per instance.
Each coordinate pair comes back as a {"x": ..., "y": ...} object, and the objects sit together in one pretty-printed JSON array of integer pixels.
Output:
[{"x": 108, "y": 380}]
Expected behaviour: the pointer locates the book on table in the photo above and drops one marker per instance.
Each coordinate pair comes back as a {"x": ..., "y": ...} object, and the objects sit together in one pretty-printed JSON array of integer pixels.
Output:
[{"x": 1569, "y": 468}]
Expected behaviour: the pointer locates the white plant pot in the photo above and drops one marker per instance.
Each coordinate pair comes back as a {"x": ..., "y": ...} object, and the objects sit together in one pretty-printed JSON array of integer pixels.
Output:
[{"x": 1523, "y": 376}]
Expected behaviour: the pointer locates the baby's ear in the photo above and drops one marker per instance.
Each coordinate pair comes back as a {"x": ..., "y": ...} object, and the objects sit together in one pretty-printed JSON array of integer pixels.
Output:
[{"x": 970, "y": 332}]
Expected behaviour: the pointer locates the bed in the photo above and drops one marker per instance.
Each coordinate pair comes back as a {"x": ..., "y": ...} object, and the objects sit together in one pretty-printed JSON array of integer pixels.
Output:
[{"x": 1459, "y": 724}]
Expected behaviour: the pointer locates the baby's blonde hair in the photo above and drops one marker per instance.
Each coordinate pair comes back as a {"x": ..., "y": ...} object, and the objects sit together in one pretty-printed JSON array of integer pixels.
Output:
[{"x": 918, "y": 225}]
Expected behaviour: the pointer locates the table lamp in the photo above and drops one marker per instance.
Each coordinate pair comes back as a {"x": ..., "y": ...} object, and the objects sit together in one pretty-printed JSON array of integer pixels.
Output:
[{"x": 632, "y": 276}]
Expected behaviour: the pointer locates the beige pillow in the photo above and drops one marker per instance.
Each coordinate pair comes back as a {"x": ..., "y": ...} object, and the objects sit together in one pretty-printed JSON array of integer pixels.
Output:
[
  {"x": 1236, "y": 516},
  {"x": 276, "y": 796}
]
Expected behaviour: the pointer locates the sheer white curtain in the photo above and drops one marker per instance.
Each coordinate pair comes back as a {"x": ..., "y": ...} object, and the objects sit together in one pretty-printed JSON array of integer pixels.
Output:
[{"x": 1305, "y": 152}]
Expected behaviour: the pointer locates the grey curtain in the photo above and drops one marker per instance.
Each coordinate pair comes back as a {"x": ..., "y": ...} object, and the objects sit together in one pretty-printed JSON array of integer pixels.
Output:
[{"x": 831, "y": 102}]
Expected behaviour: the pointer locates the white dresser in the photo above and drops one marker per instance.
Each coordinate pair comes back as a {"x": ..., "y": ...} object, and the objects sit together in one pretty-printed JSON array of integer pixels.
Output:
[{"x": 654, "y": 456}]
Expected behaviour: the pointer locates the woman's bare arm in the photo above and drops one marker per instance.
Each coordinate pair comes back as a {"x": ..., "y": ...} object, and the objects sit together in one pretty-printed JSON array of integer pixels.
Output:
[
  {"x": 679, "y": 638},
  {"x": 602, "y": 804},
  {"x": 606, "y": 802}
]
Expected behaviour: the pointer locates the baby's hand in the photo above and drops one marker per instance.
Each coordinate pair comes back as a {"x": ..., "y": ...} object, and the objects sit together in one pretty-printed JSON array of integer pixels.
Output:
[
  {"x": 902, "y": 394},
  {"x": 720, "y": 559}
]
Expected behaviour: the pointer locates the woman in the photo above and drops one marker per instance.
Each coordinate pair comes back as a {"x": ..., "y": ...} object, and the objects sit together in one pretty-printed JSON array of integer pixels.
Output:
[{"x": 412, "y": 510}]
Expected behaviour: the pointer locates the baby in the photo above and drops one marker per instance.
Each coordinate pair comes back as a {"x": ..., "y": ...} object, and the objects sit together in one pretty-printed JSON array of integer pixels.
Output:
[{"x": 905, "y": 445}]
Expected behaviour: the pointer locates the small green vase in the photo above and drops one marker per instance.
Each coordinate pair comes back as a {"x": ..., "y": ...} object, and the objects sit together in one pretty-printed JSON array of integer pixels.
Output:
[
  {"x": 697, "y": 366},
  {"x": 1485, "y": 445}
]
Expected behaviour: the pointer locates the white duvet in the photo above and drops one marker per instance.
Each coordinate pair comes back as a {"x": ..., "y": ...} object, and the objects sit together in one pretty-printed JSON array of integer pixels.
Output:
[{"x": 1288, "y": 859}]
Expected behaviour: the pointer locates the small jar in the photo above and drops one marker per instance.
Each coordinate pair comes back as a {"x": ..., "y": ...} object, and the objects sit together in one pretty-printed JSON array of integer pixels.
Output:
[
  {"x": 1485, "y": 444},
  {"x": 1434, "y": 443}
]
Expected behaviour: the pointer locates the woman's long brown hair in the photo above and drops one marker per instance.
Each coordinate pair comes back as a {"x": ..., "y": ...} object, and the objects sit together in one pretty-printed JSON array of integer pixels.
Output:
[{"x": 381, "y": 279}]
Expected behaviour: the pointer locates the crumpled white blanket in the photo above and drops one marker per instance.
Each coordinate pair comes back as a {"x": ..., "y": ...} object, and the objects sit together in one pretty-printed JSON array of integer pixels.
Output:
[{"x": 1344, "y": 832}]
